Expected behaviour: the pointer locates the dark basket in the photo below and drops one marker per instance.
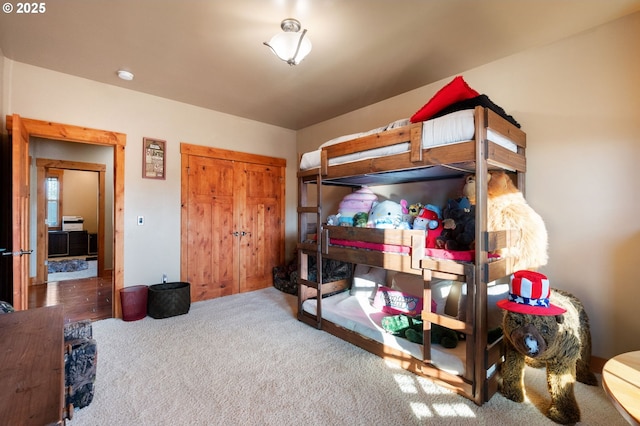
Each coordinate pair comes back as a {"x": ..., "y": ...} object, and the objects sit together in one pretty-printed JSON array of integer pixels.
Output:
[{"x": 169, "y": 299}]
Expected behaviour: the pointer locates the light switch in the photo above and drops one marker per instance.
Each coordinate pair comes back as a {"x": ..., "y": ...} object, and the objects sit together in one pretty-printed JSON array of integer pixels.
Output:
[{"x": 140, "y": 220}]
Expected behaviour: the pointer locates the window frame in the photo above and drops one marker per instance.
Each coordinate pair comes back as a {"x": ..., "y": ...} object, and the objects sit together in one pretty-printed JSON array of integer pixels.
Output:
[{"x": 56, "y": 174}]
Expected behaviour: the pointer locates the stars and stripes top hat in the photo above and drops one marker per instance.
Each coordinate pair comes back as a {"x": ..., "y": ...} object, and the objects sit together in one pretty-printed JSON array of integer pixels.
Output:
[{"x": 529, "y": 293}]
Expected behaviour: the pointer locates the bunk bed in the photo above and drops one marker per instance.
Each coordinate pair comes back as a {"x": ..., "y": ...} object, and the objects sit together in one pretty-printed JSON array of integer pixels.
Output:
[{"x": 405, "y": 152}]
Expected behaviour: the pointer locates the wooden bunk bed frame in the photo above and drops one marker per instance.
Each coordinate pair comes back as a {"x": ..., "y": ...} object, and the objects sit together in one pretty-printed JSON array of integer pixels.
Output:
[{"x": 479, "y": 382}]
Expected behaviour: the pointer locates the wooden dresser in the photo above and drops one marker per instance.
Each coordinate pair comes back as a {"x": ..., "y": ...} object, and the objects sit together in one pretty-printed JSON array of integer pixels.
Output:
[{"x": 32, "y": 367}]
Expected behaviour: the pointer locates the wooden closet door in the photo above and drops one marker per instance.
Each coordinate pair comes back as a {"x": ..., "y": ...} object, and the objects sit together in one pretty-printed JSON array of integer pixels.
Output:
[
  {"x": 232, "y": 220},
  {"x": 261, "y": 221},
  {"x": 211, "y": 247}
]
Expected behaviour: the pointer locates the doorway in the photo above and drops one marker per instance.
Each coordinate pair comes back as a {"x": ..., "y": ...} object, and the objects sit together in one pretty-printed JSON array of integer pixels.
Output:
[
  {"x": 63, "y": 132},
  {"x": 96, "y": 228}
]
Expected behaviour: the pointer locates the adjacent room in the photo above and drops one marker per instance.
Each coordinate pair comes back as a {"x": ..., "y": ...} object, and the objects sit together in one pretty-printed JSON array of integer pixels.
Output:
[{"x": 363, "y": 212}]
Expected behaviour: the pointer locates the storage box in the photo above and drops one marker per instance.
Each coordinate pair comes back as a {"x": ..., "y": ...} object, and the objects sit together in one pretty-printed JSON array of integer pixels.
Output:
[
  {"x": 72, "y": 223},
  {"x": 169, "y": 299}
]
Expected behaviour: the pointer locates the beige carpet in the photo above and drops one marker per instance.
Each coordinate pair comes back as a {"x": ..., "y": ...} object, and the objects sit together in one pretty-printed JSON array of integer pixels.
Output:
[{"x": 246, "y": 360}]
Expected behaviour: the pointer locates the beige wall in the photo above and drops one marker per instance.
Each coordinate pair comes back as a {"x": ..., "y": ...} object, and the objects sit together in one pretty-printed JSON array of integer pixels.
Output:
[
  {"x": 152, "y": 249},
  {"x": 80, "y": 197},
  {"x": 579, "y": 102}
]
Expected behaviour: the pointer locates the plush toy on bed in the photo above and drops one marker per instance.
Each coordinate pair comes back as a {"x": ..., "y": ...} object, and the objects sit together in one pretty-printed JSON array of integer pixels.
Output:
[
  {"x": 429, "y": 220},
  {"x": 359, "y": 201},
  {"x": 544, "y": 327},
  {"x": 360, "y": 219},
  {"x": 387, "y": 215},
  {"x": 414, "y": 209},
  {"x": 459, "y": 226},
  {"x": 411, "y": 329},
  {"x": 508, "y": 210}
]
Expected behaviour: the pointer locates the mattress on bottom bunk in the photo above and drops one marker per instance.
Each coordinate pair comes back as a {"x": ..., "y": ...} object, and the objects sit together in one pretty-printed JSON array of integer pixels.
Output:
[
  {"x": 357, "y": 314},
  {"x": 452, "y": 128}
]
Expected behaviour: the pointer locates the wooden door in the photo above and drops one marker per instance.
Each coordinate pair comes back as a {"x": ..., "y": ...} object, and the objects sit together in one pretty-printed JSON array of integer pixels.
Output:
[
  {"x": 261, "y": 224},
  {"x": 212, "y": 252},
  {"x": 232, "y": 221},
  {"x": 20, "y": 213}
]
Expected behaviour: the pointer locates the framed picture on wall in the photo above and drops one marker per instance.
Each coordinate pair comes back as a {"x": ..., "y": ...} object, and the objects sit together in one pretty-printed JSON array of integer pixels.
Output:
[{"x": 153, "y": 158}]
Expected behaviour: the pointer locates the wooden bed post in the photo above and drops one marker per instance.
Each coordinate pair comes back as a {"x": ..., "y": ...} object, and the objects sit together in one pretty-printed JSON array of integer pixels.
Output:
[{"x": 481, "y": 272}]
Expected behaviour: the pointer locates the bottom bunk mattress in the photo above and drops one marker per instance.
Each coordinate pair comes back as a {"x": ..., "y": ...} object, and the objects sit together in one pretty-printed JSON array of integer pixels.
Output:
[{"x": 356, "y": 314}]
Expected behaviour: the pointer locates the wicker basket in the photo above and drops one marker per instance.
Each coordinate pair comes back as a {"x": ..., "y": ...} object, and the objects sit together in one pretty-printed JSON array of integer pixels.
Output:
[{"x": 169, "y": 299}]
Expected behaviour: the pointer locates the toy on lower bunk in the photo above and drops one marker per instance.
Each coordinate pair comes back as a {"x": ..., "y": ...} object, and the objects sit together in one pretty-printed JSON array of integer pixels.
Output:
[
  {"x": 544, "y": 327},
  {"x": 508, "y": 210},
  {"x": 430, "y": 220},
  {"x": 357, "y": 202},
  {"x": 405, "y": 321},
  {"x": 388, "y": 215},
  {"x": 410, "y": 328},
  {"x": 459, "y": 226}
]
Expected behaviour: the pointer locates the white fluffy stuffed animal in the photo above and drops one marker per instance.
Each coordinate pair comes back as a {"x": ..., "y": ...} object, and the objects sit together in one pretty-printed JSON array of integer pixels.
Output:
[{"x": 507, "y": 209}]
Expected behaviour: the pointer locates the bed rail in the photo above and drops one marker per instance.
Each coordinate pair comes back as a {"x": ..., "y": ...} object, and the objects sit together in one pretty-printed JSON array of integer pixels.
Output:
[{"x": 460, "y": 156}]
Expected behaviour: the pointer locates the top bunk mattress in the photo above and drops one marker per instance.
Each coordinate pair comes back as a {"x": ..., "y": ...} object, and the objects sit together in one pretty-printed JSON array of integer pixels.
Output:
[{"x": 458, "y": 126}]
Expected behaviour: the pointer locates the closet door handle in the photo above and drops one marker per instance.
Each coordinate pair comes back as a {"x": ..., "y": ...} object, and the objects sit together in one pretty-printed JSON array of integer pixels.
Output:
[{"x": 235, "y": 234}]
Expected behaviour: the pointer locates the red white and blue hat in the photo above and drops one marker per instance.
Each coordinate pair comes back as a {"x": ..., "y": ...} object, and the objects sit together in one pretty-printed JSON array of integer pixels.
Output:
[{"x": 529, "y": 293}]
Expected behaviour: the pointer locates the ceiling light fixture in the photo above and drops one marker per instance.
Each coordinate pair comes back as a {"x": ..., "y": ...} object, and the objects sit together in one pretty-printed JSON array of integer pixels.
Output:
[
  {"x": 125, "y": 75},
  {"x": 291, "y": 46}
]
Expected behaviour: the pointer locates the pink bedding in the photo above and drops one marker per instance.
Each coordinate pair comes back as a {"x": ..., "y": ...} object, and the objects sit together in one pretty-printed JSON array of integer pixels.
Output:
[{"x": 462, "y": 256}]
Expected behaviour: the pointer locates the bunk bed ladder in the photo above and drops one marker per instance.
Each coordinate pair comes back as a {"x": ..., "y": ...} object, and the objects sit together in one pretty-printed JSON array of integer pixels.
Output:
[{"x": 306, "y": 249}]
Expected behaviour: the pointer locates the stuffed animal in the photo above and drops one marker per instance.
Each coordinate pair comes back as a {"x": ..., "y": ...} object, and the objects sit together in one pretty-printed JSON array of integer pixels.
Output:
[
  {"x": 508, "y": 210},
  {"x": 544, "y": 327},
  {"x": 360, "y": 219},
  {"x": 459, "y": 226},
  {"x": 429, "y": 220},
  {"x": 387, "y": 215},
  {"x": 359, "y": 201},
  {"x": 469, "y": 188},
  {"x": 411, "y": 329},
  {"x": 414, "y": 209}
]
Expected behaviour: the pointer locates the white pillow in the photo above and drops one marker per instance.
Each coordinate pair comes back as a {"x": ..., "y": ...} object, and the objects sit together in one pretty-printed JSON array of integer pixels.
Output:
[{"x": 366, "y": 280}]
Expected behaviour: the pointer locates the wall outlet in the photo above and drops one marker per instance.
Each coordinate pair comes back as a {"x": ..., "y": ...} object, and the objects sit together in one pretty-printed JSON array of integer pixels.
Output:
[
  {"x": 140, "y": 220},
  {"x": 164, "y": 278}
]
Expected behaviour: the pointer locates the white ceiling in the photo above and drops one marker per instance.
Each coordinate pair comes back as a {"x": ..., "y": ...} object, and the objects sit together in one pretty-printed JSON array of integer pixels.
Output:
[{"x": 210, "y": 53}]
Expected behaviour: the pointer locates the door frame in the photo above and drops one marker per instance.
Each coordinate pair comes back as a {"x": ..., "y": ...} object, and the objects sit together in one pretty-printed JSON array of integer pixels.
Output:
[
  {"x": 71, "y": 133},
  {"x": 42, "y": 248}
]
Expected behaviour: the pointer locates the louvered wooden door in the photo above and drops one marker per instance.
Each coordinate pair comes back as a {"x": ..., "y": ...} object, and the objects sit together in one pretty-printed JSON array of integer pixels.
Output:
[{"x": 232, "y": 221}]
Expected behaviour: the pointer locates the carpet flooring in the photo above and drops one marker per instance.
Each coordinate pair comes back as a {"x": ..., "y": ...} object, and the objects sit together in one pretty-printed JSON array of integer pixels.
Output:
[{"x": 246, "y": 360}]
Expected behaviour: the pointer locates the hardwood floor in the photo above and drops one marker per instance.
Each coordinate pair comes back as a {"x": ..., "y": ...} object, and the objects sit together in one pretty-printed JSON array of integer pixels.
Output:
[{"x": 86, "y": 298}]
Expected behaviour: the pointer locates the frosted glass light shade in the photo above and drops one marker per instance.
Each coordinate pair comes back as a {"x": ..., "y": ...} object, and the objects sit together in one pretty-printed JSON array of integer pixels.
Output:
[
  {"x": 284, "y": 45},
  {"x": 291, "y": 45}
]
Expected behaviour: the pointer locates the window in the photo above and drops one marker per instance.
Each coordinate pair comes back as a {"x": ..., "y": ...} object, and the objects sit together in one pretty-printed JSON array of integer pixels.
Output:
[{"x": 53, "y": 194}]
